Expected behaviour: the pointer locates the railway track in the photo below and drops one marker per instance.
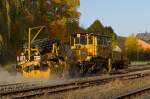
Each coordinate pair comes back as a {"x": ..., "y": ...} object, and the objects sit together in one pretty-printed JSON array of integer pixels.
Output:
[
  {"x": 5, "y": 88},
  {"x": 137, "y": 93},
  {"x": 134, "y": 68},
  {"x": 137, "y": 68},
  {"x": 30, "y": 90}
]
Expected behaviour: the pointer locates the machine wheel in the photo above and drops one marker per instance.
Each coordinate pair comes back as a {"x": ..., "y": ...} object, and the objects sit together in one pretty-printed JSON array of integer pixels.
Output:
[{"x": 74, "y": 71}]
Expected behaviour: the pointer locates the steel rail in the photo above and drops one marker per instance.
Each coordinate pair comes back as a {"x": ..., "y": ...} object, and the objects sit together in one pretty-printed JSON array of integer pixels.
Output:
[
  {"x": 58, "y": 90},
  {"x": 9, "y": 84},
  {"x": 9, "y": 88},
  {"x": 17, "y": 83},
  {"x": 74, "y": 84},
  {"x": 134, "y": 93},
  {"x": 5, "y": 88},
  {"x": 136, "y": 68}
]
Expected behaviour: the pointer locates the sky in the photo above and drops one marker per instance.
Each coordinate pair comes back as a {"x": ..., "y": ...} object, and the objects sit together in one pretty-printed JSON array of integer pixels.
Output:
[{"x": 124, "y": 16}]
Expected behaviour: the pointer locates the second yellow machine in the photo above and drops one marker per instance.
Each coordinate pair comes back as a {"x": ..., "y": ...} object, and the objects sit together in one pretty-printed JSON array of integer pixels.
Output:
[{"x": 40, "y": 58}]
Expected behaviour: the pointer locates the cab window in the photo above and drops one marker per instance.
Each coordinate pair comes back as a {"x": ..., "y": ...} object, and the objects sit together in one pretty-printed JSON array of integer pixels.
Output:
[
  {"x": 90, "y": 39},
  {"x": 105, "y": 41},
  {"x": 83, "y": 39}
]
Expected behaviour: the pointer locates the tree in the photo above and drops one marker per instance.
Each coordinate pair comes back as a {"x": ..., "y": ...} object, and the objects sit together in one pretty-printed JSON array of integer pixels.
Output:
[
  {"x": 64, "y": 17},
  {"x": 16, "y": 16},
  {"x": 96, "y": 27},
  {"x": 108, "y": 30},
  {"x": 131, "y": 44},
  {"x": 132, "y": 47},
  {"x": 54, "y": 14}
]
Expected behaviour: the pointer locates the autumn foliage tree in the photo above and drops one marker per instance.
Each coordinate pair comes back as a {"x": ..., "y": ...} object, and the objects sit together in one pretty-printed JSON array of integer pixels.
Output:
[
  {"x": 131, "y": 44},
  {"x": 132, "y": 47},
  {"x": 16, "y": 16}
]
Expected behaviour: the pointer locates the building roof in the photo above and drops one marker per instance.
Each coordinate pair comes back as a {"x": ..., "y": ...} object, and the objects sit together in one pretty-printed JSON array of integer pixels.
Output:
[
  {"x": 144, "y": 36},
  {"x": 143, "y": 44}
]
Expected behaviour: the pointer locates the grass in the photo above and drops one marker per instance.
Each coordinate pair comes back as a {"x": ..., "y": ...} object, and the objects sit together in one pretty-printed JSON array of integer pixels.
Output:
[{"x": 140, "y": 62}]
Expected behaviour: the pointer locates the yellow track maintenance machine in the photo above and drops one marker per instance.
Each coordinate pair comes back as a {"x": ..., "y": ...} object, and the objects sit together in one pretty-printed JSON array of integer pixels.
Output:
[
  {"x": 87, "y": 53},
  {"x": 93, "y": 53},
  {"x": 40, "y": 58}
]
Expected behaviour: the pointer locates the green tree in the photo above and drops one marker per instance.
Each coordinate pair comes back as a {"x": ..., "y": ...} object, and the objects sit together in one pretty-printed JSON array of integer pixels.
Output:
[
  {"x": 108, "y": 30},
  {"x": 96, "y": 27}
]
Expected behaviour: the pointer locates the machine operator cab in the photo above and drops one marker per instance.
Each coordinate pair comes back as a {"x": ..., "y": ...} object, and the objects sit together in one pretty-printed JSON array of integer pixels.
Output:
[{"x": 88, "y": 45}]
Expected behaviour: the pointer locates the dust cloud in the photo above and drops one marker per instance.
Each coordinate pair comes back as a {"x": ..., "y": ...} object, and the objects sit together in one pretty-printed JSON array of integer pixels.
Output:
[
  {"x": 6, "y": 77},
  {"x": 9, "y": 78}
]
